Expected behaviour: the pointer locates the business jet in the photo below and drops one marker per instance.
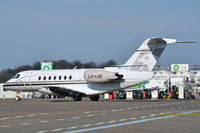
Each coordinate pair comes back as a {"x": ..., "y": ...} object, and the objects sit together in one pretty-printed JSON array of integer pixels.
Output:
[{"x": 77, "y": 83}]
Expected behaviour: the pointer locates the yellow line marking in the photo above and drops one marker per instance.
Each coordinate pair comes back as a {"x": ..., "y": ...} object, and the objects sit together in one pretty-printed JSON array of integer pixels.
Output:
[{"x": 195, "y": 101}]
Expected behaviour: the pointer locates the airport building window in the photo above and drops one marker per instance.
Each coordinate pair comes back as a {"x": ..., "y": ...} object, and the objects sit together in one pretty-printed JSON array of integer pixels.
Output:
[
  {"x": 49, "y": 77},
  {"x": 70, "y": 77},
  {"x": 44, "y": 78},
  {"x": 54, "y": 78},
  {"x": 39, "y": 78},
  {"x": 60, "y": 77},
  {"x": 65, "y": 77}
]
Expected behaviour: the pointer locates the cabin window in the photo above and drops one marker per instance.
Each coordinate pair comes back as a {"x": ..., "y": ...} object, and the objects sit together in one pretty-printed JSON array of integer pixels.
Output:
[
  {"x": 70, "y": 77},
  {"x": 54, "y": 78},
  {"x": 49, "y": 77},
  {"x": 60, "y": 77},
  {"x": 65, "y": 77},
  {"x": 39, "y": 78},
  {"x": 44, "y": 78}
]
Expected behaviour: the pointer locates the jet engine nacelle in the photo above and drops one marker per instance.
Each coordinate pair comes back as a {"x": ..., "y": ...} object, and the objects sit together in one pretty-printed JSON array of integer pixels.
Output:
[{"x": 100, "y": 76}]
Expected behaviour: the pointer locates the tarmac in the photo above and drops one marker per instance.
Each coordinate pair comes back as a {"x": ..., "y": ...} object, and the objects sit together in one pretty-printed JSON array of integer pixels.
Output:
[{"x": 104, "y": 116}]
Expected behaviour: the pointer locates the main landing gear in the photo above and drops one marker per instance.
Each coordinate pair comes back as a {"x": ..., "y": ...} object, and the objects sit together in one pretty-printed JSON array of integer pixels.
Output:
[
  {"x": 94, "y": 98},
  {"x": 77, "y": 97}
]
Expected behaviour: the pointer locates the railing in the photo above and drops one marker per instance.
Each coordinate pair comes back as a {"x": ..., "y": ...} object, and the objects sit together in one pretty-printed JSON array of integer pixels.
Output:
[{"x": 167, "y": 67}]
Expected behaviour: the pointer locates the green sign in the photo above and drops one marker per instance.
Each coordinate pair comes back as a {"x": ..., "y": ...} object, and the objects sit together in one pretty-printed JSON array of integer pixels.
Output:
[
  {"x": 179, "y": 67},
  {"x": 176, "y": 67},
  {"x": 46, "y": 66}
]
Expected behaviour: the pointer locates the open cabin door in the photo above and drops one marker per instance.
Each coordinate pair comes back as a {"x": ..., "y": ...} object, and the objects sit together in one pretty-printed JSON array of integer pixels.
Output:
[
  {"x": 27, "y": 80},
  {"x": 24, "y": 82}
]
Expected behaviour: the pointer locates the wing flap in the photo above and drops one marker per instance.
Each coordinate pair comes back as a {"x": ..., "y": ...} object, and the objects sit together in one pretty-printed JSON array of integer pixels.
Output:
[{"x": 62, "y": 90}]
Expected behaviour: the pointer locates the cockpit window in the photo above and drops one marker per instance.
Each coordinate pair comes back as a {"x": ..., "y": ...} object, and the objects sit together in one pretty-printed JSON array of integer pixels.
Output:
[{"x": 16, "y": 76}]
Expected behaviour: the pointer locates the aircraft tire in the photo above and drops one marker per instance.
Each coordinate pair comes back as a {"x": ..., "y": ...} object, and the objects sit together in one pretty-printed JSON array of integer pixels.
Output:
[
  {"x": 77, "y": 97},
  {"x": 94, "y": 98}
]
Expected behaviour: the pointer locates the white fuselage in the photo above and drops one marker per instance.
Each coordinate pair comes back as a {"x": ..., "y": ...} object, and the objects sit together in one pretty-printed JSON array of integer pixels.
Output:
[{"x": 74, "y": 80}]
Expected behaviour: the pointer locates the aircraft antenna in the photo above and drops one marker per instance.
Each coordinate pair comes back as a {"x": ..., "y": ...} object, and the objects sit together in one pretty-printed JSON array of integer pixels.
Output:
[{"x": 75, "y": 67}]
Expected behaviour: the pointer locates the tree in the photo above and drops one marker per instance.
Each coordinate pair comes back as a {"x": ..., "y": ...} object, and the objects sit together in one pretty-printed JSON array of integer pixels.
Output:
[
  {"x": 78, "y": 64},
  {"x": 90, "y": 65},
  {"x": 36, "y": 66},
  {"x": 110, "y": 63}
]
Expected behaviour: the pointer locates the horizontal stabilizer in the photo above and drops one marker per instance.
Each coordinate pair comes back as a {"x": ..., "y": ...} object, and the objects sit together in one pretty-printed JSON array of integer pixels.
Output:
[{"x": 185, "y": 42}]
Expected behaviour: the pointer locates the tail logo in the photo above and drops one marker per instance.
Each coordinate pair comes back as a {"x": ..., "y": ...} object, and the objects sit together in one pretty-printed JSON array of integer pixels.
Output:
[{"x": 145, "y": 61}]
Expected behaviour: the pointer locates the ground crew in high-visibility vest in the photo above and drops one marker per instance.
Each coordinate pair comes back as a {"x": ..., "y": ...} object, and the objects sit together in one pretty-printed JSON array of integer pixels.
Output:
[{"x": 18, "y": 96}]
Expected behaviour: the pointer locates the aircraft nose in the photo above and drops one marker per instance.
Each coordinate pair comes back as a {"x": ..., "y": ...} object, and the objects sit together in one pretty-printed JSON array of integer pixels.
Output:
[{"x": 4, "y": 87}]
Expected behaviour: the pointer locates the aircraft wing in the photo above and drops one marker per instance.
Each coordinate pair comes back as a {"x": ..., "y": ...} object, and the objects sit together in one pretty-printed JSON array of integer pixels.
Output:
[{"x": 58, "y": 90}]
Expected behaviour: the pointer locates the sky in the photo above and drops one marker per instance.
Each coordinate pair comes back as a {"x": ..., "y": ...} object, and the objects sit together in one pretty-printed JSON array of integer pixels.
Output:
[{"x": 95, "y": 30}]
